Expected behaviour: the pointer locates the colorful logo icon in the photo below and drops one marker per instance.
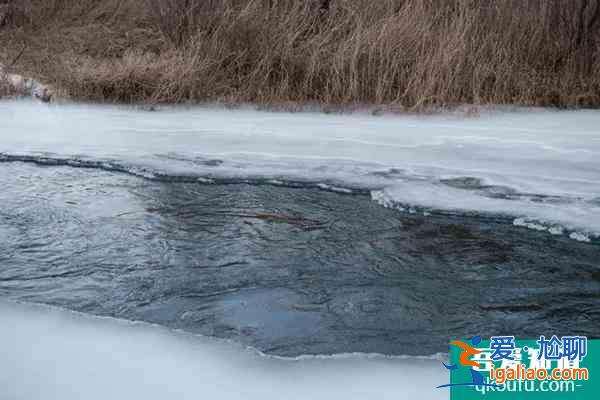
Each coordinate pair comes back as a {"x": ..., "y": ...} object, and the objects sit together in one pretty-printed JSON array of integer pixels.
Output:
[{"x": 467, "y": 351}]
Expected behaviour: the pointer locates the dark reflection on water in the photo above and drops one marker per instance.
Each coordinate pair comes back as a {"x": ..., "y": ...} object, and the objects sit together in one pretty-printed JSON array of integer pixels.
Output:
[{"x": 289, "y": 271}]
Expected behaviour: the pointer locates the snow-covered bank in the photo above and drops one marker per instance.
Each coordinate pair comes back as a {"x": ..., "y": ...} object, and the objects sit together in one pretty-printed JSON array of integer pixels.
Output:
[
  {"x": 537, "y": 166},
  {"x": 52, "y": 354},
  {"x": 25, "y": 86}
]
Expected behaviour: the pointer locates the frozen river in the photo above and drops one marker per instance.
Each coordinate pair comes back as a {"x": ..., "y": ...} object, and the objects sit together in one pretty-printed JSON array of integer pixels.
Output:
[{"x": 299, "y": 235}]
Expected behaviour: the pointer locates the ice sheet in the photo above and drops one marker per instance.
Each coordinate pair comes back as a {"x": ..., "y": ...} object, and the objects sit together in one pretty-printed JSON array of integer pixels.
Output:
[
  {"x": 537, "y": 165},
  {"x": 52, "y": 354}
]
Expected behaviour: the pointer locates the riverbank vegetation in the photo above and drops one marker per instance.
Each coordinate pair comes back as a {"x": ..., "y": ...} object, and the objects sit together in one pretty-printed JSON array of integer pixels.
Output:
[{"x": 408, "y": 54}]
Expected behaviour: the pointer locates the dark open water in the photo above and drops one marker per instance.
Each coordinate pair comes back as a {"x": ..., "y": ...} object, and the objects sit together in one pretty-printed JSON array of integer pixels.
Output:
[{"x": 289, "y": 271}]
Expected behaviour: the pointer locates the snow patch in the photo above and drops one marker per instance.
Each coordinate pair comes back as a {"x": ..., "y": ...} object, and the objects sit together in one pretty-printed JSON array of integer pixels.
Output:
[{"x": 580, "y": 237}]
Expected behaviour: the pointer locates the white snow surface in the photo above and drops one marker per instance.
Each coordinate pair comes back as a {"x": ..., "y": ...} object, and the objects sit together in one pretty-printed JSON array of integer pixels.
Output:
[
  {"x": 52, "y": 354},
  {"x": 548, "y": 161}
]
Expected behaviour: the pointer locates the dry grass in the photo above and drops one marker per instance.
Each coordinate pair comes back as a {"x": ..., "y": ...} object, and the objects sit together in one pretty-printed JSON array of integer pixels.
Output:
[
  {"x": 5, "y": 90},
  {"x": 403, "y": 53}
]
